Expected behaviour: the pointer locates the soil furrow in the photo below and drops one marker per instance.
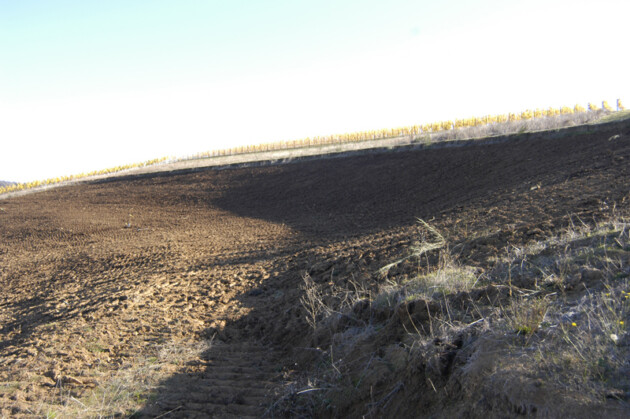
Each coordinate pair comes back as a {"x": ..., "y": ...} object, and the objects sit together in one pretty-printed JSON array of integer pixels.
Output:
[{"x": 182, "y": 294}]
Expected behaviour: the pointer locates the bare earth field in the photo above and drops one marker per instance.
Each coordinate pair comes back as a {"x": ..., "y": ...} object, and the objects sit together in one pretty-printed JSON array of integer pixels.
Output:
[{"x": 194, "y": 279}]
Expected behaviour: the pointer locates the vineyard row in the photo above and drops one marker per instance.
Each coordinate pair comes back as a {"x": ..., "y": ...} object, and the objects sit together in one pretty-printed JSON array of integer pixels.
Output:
[
  {"x": 408, "y": 130},
  {"x": 340, "y": 139},
  {"x": 37, "y": 183}
]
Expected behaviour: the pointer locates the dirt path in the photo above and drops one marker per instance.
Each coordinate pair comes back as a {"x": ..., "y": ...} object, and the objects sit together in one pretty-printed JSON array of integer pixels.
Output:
[{"x": 99, "y": 278}]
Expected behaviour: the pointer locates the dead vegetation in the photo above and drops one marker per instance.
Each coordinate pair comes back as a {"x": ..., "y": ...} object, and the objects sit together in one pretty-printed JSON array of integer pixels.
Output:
[
  {"x": 322, "y": 293},
  {"x": 527, "y": 125},
  {"x": 99, "y": 393},
  {"x": 540, "y": 332}
]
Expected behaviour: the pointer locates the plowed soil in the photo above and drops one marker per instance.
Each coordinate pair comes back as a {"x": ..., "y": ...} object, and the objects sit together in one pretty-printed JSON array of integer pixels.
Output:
[{"x": 97, "y": 275}]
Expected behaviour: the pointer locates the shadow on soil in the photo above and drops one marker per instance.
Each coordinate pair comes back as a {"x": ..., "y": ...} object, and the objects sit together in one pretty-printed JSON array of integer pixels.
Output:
[
  {"x": 332, "y": 202},
  {"x": 246, "y": 368},
  {"x": 369, "y": 193}
]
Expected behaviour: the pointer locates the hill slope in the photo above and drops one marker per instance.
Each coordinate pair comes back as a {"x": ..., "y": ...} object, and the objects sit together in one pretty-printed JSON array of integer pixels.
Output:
[{"x": 189, "y": 292}]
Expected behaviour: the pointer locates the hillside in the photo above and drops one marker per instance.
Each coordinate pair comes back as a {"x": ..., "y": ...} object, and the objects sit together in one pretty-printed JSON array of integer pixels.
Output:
[
  {"x": 5, "y": 183},
  {"x": 311, "y": 288},
  {"x": 443, "y": 134}
]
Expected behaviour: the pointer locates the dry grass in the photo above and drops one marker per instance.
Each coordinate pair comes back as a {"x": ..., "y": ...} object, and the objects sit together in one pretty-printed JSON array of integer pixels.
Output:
[
  {"x": 579, "y": 338},
  {"x": 616, "y": 116},
  {"x": 124, "y": 392},
  {"x": 559, "y": 317},
  {"x": 523, "y": 126}
]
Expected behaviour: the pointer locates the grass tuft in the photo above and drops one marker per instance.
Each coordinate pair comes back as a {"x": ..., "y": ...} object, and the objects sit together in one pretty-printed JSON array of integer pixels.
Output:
[
  {"x": 551, "y": 313},
  {"x": 126, "y": 391}
]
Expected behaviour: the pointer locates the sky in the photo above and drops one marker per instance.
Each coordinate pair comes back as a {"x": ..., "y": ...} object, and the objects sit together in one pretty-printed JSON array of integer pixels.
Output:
[{"x": 90, "y": 84}]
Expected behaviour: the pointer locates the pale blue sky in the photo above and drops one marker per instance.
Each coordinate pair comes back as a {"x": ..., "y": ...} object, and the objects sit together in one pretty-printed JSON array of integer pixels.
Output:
[{"x": 91, "y": 84}]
